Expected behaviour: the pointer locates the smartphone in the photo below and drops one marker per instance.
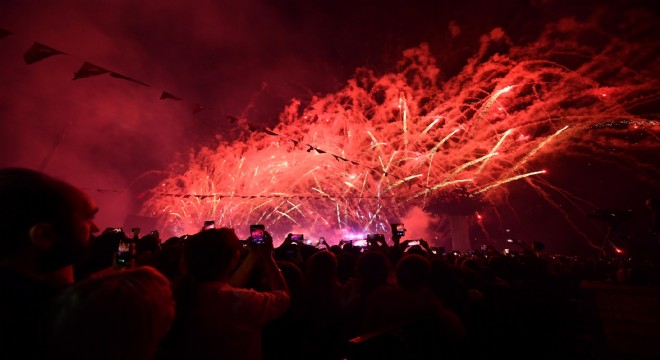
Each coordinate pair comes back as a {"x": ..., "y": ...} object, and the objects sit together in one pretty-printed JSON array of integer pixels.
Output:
[
  {"x": 117, "y": 230},
  {"x": 399, "y": 229},
  {"x": 209, "y": 224},
  {"x": 257, "y": 233},
  {"x": 124, "y": 253},
  {"x": 360, "y": 243},
  {"x": 484, "y": 248},
  {"x": 413, "y": 243},
  {"x": 297, "y": 237}
]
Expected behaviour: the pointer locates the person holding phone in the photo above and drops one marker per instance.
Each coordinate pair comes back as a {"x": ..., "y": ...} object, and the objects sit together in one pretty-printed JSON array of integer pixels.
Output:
[{"x": 216, "y": 316}]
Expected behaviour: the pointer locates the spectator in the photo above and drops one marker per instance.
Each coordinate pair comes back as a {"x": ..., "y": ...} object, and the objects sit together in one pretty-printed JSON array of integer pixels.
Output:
[
  {"x": 117, "y": 315},
  {"x": 320, "y": 309},
  {"x": 46, "y": 225},
  {"x": 216, "y": 318}
]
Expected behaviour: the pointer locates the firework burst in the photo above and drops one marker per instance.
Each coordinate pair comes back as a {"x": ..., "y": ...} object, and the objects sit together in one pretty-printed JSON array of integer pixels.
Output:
[{"x": 363, "y": 156}]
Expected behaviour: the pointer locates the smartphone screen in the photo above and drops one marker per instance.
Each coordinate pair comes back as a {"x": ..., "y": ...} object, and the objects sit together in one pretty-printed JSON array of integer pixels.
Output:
[
  {"x": 360, "y": 243},
  {"x": 257, "y": 233},
  {"x": 414, "y": 243},
  {"x": 297, "y": 237},
  {"x": 124, "y": 253}
]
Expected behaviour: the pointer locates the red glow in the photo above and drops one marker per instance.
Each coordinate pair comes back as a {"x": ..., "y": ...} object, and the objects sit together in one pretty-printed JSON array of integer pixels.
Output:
[{"x": 396, "y": 137}]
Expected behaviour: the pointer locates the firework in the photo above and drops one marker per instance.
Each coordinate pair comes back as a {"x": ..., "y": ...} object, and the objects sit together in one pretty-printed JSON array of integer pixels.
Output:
[{"x": 360, "y": 158}]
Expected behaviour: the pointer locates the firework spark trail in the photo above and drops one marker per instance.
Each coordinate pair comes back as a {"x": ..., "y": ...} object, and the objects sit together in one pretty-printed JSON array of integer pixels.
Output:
[
  {"x": 534, "y": 151},
  {"x": 567, "y": 195},
  {"x": 508, "y": 180},
  {"x": 493, "y": 151},
  {"x": 403, "y": 109},
  {"x": 405, "y": 128},
  {"x": 566, "y": 216}
]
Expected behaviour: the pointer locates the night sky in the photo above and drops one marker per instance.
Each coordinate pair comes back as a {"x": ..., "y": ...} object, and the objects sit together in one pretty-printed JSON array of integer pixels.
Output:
[{"x": 246, "y": 60}]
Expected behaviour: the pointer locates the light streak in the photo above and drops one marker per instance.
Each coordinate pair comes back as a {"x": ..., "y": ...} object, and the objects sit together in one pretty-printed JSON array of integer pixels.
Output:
[
  {"x": 535, "y": 150},
  {"x": 508, "y": 180}
]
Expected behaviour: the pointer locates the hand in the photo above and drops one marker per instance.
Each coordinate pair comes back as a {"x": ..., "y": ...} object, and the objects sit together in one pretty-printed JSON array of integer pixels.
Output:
[
  {"x": 425, "y": 245},
  {"x": 117, "y": 265},
  {"x": 322, "y": 241},
  {"x": 287, "y": 240},
  {"x": 265, "y": 250}
]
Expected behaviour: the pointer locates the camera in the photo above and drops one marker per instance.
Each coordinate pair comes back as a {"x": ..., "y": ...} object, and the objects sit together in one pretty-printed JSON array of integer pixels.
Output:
[
  {"x": 297, "y": 237},
  {"x": 257, "y": 234},
  {"x": 209, "y": 224}
]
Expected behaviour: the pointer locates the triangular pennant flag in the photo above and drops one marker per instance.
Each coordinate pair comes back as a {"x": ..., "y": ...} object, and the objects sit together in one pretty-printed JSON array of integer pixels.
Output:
[
  {"x": 89, "y": 70},
  {"x": 355, "y": 162},
  {"x": 337, "y": 157},
  {"x": 4, "y": 33},
  {"x": 295, "y": 142},
  {"x": 120, "y": 76},
  {"x": 198, "y": 107},
  {"x": 167, "y": 96},
  {"x": 38, "y": 52},
  {"x": 310, "y": 148},
  {"x": 319, "y": 151},
  {"x": 271, "y": 133}
]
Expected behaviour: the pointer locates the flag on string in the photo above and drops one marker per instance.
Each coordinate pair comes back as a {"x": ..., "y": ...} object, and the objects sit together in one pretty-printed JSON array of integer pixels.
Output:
[
  {"x": 270, "y": 132},
  {"x": 89, "y": 70},
  {"x": 355, "y": 162},
  {"x": 319, "y": 151},
  {"x": 198, "y": 107},
  {"x": 4, "y": 33},
  {"x": 295, "y": 142},
  {"x": 310, "y": 148},
  {"x": 167, "y": 96},
  {"x": 337, "y": 157},
  {"x": 38, "y": 52},
  {"x": 120, "y": 76}
]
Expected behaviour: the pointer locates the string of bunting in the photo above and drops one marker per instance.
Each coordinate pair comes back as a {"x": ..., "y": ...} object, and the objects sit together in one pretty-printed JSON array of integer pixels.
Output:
[
  {"x": 311, "y": 148},
  {"x": 38, "y": 52},
  {"x": 272, "y": 196}
]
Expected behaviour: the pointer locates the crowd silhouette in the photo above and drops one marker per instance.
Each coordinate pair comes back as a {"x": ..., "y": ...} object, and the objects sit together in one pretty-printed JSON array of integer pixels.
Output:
[{"x": 68, "y": 293}]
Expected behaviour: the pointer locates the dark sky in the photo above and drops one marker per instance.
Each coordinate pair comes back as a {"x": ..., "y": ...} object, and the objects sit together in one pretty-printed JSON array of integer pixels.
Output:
[{"x": 239, "y": 58}]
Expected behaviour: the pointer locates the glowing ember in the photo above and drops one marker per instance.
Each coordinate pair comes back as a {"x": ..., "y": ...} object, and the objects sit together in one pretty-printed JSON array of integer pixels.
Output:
[{"x": 358, "y": 159}]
